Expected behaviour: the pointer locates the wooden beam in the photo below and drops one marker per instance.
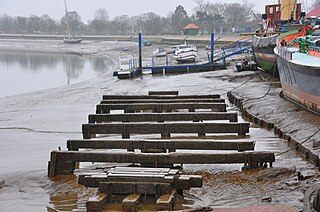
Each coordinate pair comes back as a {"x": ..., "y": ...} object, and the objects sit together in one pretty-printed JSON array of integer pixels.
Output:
[
  {"x": 159, "y": 107},
  {"x": 122, "y": 101},
  {"x": 195, "y": 144},
  {"x": 134, "y": 187},
  {"x": 64, "y": 161},
  {"x": 163, "y": 128},
  {"x": 159, "y": 96},
  {"x": 179, "y": 182},
  {"x": 161, "y": 117},
  {"x": 159, "y": 93}
]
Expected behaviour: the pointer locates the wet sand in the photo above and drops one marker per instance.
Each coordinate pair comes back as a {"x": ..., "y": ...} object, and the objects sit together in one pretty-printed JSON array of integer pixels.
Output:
[{"x": 34, "y": 124}]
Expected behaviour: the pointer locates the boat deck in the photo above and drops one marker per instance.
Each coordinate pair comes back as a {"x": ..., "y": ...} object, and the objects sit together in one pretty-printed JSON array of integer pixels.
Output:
[{"x": 303, "y": 59}]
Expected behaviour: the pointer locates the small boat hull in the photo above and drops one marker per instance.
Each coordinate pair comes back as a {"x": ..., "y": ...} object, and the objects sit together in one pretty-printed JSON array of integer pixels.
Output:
[
  {"x": 185, "y": 57},
  {"x": 72, "y": 40},
  {"x": 264, "y": 56}
]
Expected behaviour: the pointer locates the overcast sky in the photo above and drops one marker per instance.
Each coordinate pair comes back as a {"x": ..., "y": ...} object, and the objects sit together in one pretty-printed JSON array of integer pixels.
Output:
[{"x": 86, "y": 8}]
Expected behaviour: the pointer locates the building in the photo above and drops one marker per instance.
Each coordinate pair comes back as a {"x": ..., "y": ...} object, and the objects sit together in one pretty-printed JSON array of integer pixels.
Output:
[{"x": 191, "y": 29}]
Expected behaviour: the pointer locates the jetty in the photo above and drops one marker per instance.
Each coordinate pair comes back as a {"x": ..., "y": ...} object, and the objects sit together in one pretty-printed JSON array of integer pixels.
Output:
[
  {"x": 150, "y": 170},
  {"x": 216, "y": 61}
]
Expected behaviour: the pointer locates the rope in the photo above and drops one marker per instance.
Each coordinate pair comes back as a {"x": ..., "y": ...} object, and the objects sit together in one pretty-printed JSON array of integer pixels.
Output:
[
  {"x": 299, "y": 143},
  {"x": 272, "y": 81}
]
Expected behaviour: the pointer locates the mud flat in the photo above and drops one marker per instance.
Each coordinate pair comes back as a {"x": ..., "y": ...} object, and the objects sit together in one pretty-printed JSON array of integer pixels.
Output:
[
  {"x": 36, "y": 123},
  {"x": 299, "y": 127}
]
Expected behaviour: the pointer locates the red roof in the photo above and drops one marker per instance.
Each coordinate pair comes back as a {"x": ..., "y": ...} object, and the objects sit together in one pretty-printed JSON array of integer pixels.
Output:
[
  {"x": 191, "y": 26},
  {"x": 314, "y": 12}
]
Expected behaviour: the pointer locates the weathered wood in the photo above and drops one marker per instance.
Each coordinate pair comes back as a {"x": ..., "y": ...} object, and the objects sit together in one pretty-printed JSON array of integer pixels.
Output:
[
  {"x": 162, "y": 117},
  {"x": 159, "y": 107},
  {"x": 96, "y": 204},
  {"x": 134, "y": 187},
  {"x": 68, "y": 159},
  {"x": 122, "y": 101},
  {"x": 166, "y": 202},
  {"x": 179, "y": 182},
  {"x": 130, "y": 203},
  {"x": 163, "y": 93},
  {"x": 163, "y": 128},
  {"x": 75, "y": 145},
  {"x": 159, "y": 96}
]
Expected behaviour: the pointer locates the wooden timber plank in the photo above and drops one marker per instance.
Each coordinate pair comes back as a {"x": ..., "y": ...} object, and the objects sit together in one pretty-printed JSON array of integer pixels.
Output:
[
  {"x": 122, "y": 101},
  {"x": 159, "y": 96},
  {"x": 161, "y": 117},
  {"x": 196, "y": 144},
  {"x": 130, "y": 203},
  {"x": 65, "y": 160},
  {"x": 129, "y": 107},
  {"x": 179, "y": 182},
  {"x": 163, "y": 93},
  {"x": 163, "y": 128},
  {"x": 134, "y": 187},
  {"x": 176, "y": 158}
]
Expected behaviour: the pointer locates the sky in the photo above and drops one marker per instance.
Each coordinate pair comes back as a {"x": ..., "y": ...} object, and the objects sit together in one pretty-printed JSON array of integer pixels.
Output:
[{"x": 86, "y": 8}]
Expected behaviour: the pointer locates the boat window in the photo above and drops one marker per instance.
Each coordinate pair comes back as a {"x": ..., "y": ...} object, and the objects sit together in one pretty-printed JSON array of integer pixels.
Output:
[{"x": 271, "y": 10}]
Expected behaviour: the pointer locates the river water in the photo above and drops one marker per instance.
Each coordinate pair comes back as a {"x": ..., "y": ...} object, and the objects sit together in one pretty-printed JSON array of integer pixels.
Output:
[
  {"x": 22, "y": 72},
  {"x": 34, "y": 124}
]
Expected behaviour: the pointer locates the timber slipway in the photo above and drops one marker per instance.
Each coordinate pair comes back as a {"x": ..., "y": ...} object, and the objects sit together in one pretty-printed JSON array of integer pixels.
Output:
[{"x": 155, "y": 170}]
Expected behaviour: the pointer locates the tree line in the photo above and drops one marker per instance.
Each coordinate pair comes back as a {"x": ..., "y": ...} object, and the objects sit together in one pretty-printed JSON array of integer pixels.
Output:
[{"x": 207, "y": 15}]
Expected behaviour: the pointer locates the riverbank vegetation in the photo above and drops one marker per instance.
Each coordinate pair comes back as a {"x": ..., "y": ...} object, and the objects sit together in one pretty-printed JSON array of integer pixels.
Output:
[{"x": 209, "y": 16}]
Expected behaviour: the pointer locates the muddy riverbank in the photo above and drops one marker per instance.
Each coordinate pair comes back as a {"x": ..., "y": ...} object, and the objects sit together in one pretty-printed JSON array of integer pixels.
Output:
[
  {"x": 290, "y": 122},
  {"x": 34, "y": 124}
]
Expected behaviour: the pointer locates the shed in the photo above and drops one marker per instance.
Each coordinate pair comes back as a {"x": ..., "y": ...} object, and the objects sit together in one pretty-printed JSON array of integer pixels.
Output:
[{"x": 191, "y": 29}]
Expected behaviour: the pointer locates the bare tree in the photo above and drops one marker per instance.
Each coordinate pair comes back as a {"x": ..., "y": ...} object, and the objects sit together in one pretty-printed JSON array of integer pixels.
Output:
[
  {"x": 101, "y": 15},
  {"x": 100, "y": 22},
  {"x": 122, "y": 23}
]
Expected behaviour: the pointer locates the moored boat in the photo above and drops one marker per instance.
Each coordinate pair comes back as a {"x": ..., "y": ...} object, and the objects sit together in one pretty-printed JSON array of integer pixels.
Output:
[
  {"x": 299, "y": 68},
  {"x": 72, "y": 40},
  {"x": 185, "y": 53},
  {"x": 278, "y": 18},
  {"x": 160, "y": 52}
]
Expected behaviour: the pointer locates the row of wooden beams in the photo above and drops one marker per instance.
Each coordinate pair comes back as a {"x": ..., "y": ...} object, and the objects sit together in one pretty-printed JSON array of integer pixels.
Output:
[
  {"x": 160, "y": 96},
  {"x": 163, "y": 128},
  {"x": 121, "y": 101},
  {"x": 159, "y": 107},
  {"x": 192, "y": 144},
  {"x": 63, "y": 162},
  {"x": 161, "y": 117}
]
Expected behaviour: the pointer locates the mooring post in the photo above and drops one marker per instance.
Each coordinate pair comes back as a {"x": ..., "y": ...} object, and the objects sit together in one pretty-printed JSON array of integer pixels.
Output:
[
  {"x": 140, "y": 55},
  {"x": 212, "y": 47}
]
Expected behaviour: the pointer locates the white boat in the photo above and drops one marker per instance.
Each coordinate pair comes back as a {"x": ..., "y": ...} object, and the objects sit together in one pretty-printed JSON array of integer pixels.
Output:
[
  {"x": 185, "y": 53},
  {"x": 71, "y": 39},
  {"x": 160, "y": 52}
]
